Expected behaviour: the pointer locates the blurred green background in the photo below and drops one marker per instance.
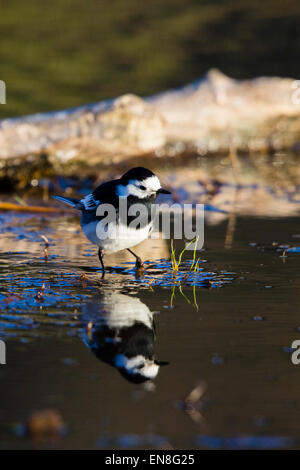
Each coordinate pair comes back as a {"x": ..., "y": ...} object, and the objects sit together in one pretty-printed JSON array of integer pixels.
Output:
[{"x": 65, "y": 53}]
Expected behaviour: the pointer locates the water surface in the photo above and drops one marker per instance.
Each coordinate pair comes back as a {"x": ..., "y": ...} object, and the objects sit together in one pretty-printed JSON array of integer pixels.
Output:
[{"x": 226, "y": 331}]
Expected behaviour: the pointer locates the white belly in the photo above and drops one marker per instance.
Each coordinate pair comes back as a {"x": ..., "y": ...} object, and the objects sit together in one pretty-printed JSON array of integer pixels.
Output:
[
  {"x": 112, "y": 238},
  {"x": 123, "y": 311}
]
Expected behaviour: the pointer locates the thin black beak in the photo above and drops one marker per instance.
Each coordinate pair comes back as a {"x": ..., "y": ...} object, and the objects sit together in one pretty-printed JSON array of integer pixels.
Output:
[
  {"x": 163, "y": 191},
  {"x": 161, "y": 363}
]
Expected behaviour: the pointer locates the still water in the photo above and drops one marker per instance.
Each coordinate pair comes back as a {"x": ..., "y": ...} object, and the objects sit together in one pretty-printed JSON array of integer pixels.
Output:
[{"x": 212, "y": 346}]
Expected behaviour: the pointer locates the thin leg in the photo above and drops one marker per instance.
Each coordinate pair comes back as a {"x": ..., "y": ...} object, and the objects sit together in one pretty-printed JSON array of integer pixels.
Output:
[
  {"x": 100, "y": 256},
  {"x": 139, "y": 262}
]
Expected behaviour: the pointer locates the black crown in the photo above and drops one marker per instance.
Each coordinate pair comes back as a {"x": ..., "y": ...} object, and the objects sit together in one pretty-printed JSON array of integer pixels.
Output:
[{"x": 138, "y": 173}]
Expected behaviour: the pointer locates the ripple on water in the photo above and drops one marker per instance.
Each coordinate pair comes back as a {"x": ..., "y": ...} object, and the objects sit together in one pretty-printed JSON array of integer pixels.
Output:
[
  {"x": 47, "y": 299},
  {"x": 43, "y": 296}
]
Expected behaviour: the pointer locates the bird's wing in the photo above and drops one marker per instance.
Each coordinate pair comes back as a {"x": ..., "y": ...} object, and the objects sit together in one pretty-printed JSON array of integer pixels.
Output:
[
  {"x": 103, "y": 194},
  {"x": 106, "y": 193},
  {"x": 89, "y": 202}
]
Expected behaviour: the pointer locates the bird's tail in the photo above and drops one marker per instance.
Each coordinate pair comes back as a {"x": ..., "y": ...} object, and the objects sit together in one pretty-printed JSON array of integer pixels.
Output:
[{"x": 71, "y": 201}]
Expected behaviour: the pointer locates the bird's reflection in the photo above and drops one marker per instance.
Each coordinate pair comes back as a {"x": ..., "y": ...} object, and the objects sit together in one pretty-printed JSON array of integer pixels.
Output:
[{"x": 120, "y": 331}]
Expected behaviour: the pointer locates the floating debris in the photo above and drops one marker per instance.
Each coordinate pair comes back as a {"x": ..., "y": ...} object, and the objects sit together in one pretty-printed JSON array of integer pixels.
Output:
[
  {"x": 217, "y": 360},
  {"x": 44, "y": 425},
  {"x": 9, "y": 206},
  {"x": 258, "y": 318},
  {"x": 192, "y": 403}
]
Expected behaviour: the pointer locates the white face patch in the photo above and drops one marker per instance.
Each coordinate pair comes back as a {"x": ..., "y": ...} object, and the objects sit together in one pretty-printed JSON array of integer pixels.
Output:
[
  {"x": 138, "y": 365},
  {"x": 141, "y": 189}
]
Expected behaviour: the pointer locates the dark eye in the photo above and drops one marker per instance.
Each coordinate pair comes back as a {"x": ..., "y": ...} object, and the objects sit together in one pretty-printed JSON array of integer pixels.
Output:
[{"x": 142, "y": 187}]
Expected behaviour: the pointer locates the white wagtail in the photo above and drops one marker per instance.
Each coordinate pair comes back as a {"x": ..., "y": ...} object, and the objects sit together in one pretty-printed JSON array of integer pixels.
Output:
[
  {"x": 139, "y": 187},
  {"x": 120, "y": 330}
]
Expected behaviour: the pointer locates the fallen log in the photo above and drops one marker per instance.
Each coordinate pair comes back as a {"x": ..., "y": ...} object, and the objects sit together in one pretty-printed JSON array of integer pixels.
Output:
[{"x": 207, "y": 117}]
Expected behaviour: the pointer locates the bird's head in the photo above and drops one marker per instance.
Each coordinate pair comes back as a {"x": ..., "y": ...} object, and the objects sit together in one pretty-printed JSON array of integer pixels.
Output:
[
  {"x": 141, "y": 183},
  {"x": 138, "y": 369}
]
